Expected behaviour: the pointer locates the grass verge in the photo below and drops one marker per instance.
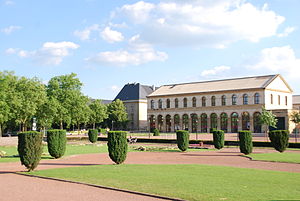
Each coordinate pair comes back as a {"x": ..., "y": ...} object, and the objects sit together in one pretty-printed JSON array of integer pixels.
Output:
[
  {"x": 287, "y": 157},
  {"x": 189, "y": 182}
]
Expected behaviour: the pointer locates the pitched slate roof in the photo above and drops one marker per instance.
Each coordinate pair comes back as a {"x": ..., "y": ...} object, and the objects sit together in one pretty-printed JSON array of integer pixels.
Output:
[
  {"x": 134, "y": 91},
  {"x": 215, "y": 85}
]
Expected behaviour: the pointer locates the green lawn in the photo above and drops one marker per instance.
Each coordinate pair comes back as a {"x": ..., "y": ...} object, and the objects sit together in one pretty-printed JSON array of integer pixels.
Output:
[
  {"x": 11, "y": 151},
  {"x": 189, "y": 182},
  {"x": 288, "y": 157}
]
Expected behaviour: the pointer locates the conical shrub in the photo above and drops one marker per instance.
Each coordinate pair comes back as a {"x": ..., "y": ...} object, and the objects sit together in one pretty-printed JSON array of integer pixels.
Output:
[
  {"x": 56, "y": 140},
  {"x": 279, "y": 139},
  {"x": 182, "y": 139},
  {"x": 93, "y": 135},
  {"x": 218, "y": 137},
  {"x": 117, "y": 146},
  {"x": 245, "y": 141}
]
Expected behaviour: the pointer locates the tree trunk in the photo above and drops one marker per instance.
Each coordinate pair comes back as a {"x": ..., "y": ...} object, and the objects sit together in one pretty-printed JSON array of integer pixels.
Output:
[
  {"x": 0, "y": 130},
  {"x": 94, "y": 125},
  {"x": 78, "y": 127},
  {"x": 61, "y": 125}
]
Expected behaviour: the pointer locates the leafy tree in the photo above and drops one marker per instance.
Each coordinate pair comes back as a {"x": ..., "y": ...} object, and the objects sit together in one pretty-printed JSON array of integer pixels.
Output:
[
  {"x": 295, "y": 117},
  {"x": 31, "y": 95},
  {"x": 117, "y": 113},
  {"x": 98, "y": 112},
  {"x": 268, "y": 118},
  {"x": 63, "y": 89},
  {"x": 45, "y": 114}
]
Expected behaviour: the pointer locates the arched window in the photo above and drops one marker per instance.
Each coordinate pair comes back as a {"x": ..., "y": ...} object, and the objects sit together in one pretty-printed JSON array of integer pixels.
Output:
[
  {"x": 185, "y": 102},
  {"x": 278, "y": 99},
  {"x": 245, "y": 99},
  {"x": 194, "y": 102},
  {"x": 271, "y": 98},
  {"x": 168, "y": 103},
  {"x": 152, "y": 122},
  {"x": 234, "y": 99},
  {"x": 256, "y": 98},
  {"x": 160, "y": 122},
  {"x": 203, "y": 101},
  {"x": 256, "y": 122},
  {"x": 194, "y": 118},
  {"x": 223, "y": 100},
  {"x": 176, "y": 122},
  {"x": 245, "y": 121},
  {"x": 168, "y": 123},
  {"x": 213, "y": 120},
  {"x": 213, "y": 101},
  {"x": 224, "y": 122},
  {"x": 185, "y": 122},
  {"x": 176, "y": 103},
  {"x": 159, "y": 103},
  {"x": 204, "y": 123},
  {"x": 152, "y": 104},
  {"x": 234, "y": 122}
]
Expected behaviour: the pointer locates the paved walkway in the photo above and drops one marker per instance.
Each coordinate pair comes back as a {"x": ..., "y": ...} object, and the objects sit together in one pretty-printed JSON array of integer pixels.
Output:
[{"x": 17, "y": 187}]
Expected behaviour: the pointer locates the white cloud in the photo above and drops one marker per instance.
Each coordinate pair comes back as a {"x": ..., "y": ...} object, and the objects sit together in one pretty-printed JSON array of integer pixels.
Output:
[
  {"x": 111, "y": 36},
  {"x": 9, "y": 2},
  {"x": 115, "y": 88},
  {"x": 137, "y": 53},
  {"x": 49, "y": 54},
  {"x": 85, "y": 34},
  {"x": 286, "y": 32},
  {"x": 10, "y": 29},
  {"x": 216, "y": 70},
  {"x": 280, "y": 60},
  {"x": 200, "y": 23}
]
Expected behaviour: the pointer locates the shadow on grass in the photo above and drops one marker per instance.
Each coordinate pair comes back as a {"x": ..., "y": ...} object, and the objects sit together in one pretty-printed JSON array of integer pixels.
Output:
[{"x": 69, "y": 164}]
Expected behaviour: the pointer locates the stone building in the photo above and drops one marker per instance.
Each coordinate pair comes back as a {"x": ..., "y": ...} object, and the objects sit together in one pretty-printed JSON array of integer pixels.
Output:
[
  {"x": 134, "y": 98},
  {"x": 229, "y": 104}
]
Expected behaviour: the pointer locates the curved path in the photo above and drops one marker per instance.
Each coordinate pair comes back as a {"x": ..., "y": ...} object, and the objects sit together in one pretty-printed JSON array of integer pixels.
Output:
[{"x": 18, "y": 187}]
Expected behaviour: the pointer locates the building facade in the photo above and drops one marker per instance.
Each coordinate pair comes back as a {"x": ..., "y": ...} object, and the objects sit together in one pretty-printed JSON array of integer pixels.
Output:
[
  {"x": 230, "y": 105},
  {"x": 134, "y": 98}
]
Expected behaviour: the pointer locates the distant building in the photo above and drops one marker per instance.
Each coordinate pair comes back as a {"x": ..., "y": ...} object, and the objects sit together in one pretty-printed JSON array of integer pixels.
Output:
[
  {"x": 134, "y": 97},
  {"x": 230, "y": 104},
  {"x": 296, "y": 102}
]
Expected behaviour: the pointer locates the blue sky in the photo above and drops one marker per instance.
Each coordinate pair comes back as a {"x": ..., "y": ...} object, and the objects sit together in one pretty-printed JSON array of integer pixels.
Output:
[{"x": 111, "y": 43}]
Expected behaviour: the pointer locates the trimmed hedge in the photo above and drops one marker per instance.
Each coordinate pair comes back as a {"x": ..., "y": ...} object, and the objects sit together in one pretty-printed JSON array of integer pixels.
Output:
[
  {"x": 117, "y": 146},
  {"x": 93, "y": 135},
  {"x": 182, "y": 137},
  {"x": 155, "y": 132},
  {"x": 245, "y": 142},
  {"x": 30, "y": 148},
  {"x": 218, "y": 137},
  {"x": 279, "y": 139},
  {"x": 56, "y": 140}
]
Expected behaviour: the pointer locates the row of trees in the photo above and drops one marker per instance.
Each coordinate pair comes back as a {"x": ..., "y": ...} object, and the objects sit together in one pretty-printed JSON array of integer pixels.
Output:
[{"x": 58, "y": 104}]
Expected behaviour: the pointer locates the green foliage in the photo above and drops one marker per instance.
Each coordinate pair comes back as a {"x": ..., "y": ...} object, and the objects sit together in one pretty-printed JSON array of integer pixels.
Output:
[
  {"x": 218, "y": 137},
  {"x": 245, "y": 141},
  {"x": 117, "y": 113},
  {"x": 93, "y": 135},
  {"x": 98, "y": 112},
  {"x": 57, "y": 141},
  {"x": 155, "y": 132},
  {"x": 117, "y": 146},
  {"x": 182, "y": 139},
  {"x": 268, "y": 118},
  {"x": 102, "y": 130},
  {"x": 211, "y": 130},
  {"x": 279, "y": 139},
  {"x": 30, "y": 148}
]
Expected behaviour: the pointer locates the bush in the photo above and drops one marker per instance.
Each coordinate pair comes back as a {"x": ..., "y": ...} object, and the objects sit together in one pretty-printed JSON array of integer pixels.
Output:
[
  {"x": 211, "y": 130},
  {"x": 182, "y": 139},
  {"x": 245, "y": 141},
  {"x": 93, "y": 135},
  {"x": 30, "y": 148},
  {"x": 155, "y": 132},
  {"x": 102, "y": 130},
  {"x": 218, "y": 136},
  {"x": 57, "y": 141},
  {"x": 279, "y": 139},
  {"x": 117, "y": 146}
]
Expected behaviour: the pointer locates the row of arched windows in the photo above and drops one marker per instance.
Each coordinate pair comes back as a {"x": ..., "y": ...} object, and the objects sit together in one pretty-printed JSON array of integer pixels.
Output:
[
  {"x": 203, "y": 119},
  {"x": 204, "y": 101}
]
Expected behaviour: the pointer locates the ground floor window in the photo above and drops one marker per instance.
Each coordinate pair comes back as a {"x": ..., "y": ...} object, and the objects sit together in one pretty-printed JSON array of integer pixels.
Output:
[
  {"x": 245, "y": 121},
  {"x": 224, "y": 122},
  {"x": 176, "y": 122},
  {"x": 234, "y": 122},
  {"x": 194, "y": 122},
  {"x": 168, "y": 123},
  {"x": 185, "y": 122},
  {"x": 214, "y": 120},
  {"x": 204, "y": 123},
  {"x": 256, "y": 122}
]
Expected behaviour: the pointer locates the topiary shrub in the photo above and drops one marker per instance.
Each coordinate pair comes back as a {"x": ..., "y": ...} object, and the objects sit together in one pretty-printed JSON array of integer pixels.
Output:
[
  {"x": 117, "y": 146},
  {"x": 245, "y": 141},
  {"x": 279, "y": 139},
  {"x": 182, "y": 139},
  {"x": 30, "y": 148},
  {"x": 56, "y": 140},
  {"x": 218, "y": 136},
  {"x": 93, "y": 135},
  {"x": 155, "y": 132},
  {"x": 211, "y": 130}
]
